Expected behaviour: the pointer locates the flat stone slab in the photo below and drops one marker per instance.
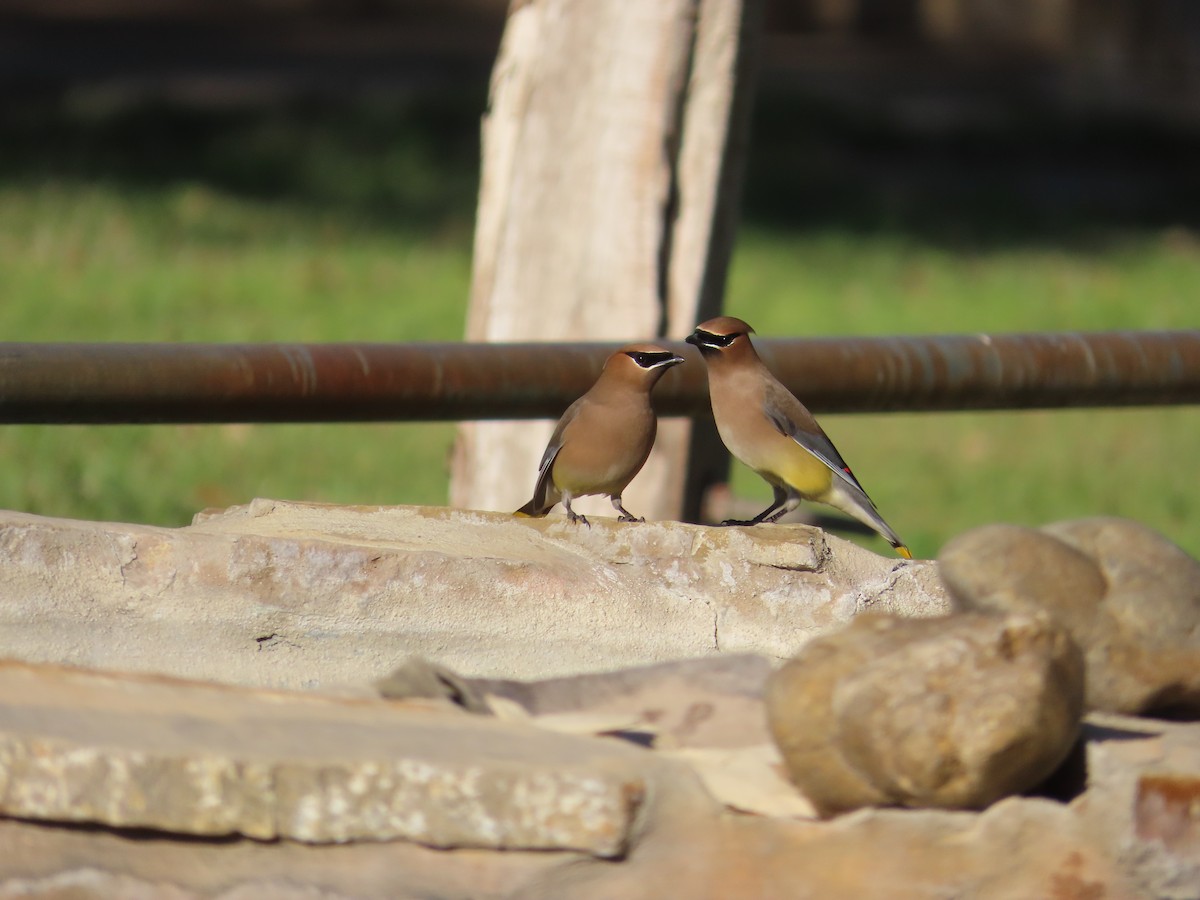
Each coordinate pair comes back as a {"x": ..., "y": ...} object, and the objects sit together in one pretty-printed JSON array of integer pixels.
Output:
[
  {"x": 299, "y": 595},
  {"x": 201, "y": 759}
]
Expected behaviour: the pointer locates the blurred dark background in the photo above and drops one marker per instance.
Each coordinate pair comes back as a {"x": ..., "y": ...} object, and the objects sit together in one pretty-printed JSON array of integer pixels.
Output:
[{"x": 968, "y": 120}]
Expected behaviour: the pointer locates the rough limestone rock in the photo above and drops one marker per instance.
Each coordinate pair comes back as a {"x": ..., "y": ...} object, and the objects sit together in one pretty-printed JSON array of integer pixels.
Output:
[
  {"x": 1129, "y": 597},
  {"x": 200, "y": 759},
  {"x": 308, "y": 596},
  {"x": 1019, "y": 848},
  {"x": 1143, "y": 800},
  {"x": 710, "y": 702},
  {"x": 48, "y": 862},
  {"x": 1135, "y": 816},
  {"x": 954, "y": 712}
]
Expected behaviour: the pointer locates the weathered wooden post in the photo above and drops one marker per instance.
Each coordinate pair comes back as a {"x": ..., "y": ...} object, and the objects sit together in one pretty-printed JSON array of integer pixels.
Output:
[{"x": 612, "y": 152}]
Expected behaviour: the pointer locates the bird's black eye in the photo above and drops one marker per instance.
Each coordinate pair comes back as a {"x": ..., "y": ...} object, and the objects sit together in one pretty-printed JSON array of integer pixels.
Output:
[
  {"x": 716, "y": 340},
  {"x": 648, "y": 360}
]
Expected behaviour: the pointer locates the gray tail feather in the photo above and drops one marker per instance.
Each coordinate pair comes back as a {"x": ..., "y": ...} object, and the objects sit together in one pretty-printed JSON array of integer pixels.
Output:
[
  {"x": 545, "y": 495},
  {"x": 869, "y": 515},
  {"x": 887, "y": 532},
  {"x": 533, "y": 509}
]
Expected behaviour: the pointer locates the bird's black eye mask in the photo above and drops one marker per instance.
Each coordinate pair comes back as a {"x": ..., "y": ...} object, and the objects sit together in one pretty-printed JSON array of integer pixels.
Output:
[
  {"x": 650, "y": 359},
  {"x": 708, "y": 339}
]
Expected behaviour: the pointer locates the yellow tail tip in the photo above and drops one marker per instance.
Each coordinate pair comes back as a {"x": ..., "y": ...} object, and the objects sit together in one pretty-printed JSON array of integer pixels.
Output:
[{"x": 904, "y": 551}]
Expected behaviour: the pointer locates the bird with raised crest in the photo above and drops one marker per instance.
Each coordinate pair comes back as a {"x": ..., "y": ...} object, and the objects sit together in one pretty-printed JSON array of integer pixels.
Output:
[{"x": 773, "y": 433}]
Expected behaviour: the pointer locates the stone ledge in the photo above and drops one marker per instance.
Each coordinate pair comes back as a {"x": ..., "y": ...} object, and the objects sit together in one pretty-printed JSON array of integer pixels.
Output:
[{"x": 301, "y": 595}]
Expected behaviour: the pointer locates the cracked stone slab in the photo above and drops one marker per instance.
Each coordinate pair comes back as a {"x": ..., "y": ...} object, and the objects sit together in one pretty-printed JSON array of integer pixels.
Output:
[
  {"x": 201, "y": 759},
  {"x": 302, "y": 595}
]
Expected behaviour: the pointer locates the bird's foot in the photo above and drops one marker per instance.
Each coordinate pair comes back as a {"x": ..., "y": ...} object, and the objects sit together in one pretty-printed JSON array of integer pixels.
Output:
[
  {"x": 739, "y": 522},
  {"x": 576, "y": 517},
  {"x": 627, "y": 517}
]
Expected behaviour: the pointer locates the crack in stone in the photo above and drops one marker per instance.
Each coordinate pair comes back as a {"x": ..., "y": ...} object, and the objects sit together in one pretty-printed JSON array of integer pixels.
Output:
[
  {"x": 783, "y": 568},
  {"x": 824, "y": 557},
  {"x": 124, "y": 561},
  {"x": 875, "y": 592},
  {"x": 716, "y": 625},
  {"x": 272, "y": 641}
]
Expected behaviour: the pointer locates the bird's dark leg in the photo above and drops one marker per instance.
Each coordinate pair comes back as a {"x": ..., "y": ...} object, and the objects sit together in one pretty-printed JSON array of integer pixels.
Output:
[
  {"x": 788, "y": 505},
  {"x": 777, "y": 508},
  {"x": 573, "y": 516},
  {"x": 625, "y": 515}
]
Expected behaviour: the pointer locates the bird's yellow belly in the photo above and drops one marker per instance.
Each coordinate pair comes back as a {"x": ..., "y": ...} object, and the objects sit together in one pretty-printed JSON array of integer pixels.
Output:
[
  {"x": 781, "y": 462},
  {"x": 581, "y": 481},
  {"x": 776, "y": 457},
  {"x": 603, "y": 449},
  {"x": 804, "y": 474}
]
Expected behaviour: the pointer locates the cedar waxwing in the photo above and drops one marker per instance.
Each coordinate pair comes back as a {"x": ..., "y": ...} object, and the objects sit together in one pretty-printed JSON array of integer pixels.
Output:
[
  {"x": 604, "y": 437},
  {"x": 772, "y": 432}
]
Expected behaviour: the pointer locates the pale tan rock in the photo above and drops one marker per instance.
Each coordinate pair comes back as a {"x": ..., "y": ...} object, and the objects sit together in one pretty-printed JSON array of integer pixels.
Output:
[
  {"x": 1151, "y": 612},
  {"x": 707, "y": 712},
  {"x": 1143, "y": 800},
  {"x": 1130, "y": 598},
  {"x": 1010, "y": 568},
  {"x": 308, "y": 596},
  {"x": 954, "y": 712},
  {"x": 709, "y": 702},
  {"x": 197, "y": 759},
  {"x": 747, "y": 779},
  {"x": 682, "y": 844},
  {"x": 1017, "y": 849},
  {"x": 49, "y": 862}
]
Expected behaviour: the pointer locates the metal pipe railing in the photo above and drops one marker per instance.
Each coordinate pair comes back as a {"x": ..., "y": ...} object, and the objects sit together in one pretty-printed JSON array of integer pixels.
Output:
[{"x": 197, "y": 383}]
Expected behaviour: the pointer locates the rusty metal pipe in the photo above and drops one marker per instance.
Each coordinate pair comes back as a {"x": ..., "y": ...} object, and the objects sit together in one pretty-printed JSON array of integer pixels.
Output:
[
  {"x": 1009, "y": 371},
  {"x": 198, "y": 383}
]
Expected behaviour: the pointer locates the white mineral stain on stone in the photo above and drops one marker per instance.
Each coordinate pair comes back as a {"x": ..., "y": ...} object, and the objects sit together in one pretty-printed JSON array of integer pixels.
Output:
[
  {"x": 727, "y": 578},
  {"x": 844, "y": 607},
  {"x": 365, "y": 776},
  {"x": 304, "y": 819},
  {"x": 336, "y": 803}
]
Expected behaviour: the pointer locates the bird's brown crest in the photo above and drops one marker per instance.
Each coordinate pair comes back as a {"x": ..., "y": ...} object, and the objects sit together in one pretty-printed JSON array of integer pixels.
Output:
[
  {"x": 724, "y": 336},
  {"x": 725, "y": 325}
]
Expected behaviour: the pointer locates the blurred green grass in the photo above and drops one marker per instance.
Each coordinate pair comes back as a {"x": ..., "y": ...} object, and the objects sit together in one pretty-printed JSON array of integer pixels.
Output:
[
  {"x": 354, "y": 223},
  {"x": 86, "y": 263},
  {"x": 307, "y": 224}
]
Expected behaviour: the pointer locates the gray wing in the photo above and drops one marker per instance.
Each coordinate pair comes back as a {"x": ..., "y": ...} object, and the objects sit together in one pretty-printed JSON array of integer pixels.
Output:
[
  {"x": 542, "y": 501},
  {"x": 793, "y": 420},
  {"x": 791, "y": 417}
]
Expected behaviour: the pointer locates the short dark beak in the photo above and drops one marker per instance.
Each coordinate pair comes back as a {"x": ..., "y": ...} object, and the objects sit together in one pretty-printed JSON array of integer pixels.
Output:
[
  {"x": 692, "y": 339},
  {"x": 675, "y": 360}
]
